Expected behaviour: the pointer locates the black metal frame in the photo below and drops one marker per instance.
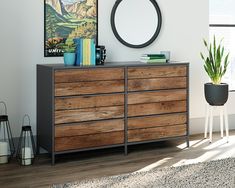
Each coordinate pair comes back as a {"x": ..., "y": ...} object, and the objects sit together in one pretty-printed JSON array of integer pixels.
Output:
[
  {"x": 45, "y": 55},
  {"x": 45, "y": 107},
  {"x": 4, "y": 121},
  {"x": 23, "y": 135},
  {"x": 147, "y": 43}
]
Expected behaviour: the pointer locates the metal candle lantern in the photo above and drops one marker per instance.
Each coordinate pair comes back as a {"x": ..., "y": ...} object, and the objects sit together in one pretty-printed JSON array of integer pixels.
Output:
[
  {"x": 26, "y": 150},
  {"x": 7, "y": 148}
]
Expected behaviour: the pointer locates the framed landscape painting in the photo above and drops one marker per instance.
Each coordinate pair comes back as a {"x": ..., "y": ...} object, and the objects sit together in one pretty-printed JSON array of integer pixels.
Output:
[{"x": 68, "y": 18}]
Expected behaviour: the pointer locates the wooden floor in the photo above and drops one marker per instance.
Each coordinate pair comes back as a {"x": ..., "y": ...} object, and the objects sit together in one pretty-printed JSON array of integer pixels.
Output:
[{"x": 108, "y": 162}]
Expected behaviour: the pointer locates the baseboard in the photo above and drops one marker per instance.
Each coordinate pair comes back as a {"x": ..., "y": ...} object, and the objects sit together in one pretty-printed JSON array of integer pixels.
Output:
[{"x": 197, "y": 125}]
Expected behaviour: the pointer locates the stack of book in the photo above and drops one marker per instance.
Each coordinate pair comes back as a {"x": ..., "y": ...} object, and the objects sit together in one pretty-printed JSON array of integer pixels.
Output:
[
  {"x": 85, "y": 52},
  {"x": 153, "y": 58}
]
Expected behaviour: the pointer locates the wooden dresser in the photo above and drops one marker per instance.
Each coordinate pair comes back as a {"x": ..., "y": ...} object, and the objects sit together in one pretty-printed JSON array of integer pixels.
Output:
[{"x": 118, "y": 104}]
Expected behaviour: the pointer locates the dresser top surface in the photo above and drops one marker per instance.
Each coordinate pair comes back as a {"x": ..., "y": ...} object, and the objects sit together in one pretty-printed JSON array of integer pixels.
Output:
[{"x": 115, "y": 64}]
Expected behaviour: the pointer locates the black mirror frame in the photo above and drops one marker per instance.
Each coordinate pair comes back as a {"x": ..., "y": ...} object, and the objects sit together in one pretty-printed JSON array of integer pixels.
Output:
[{"x": 157, "y": 31}]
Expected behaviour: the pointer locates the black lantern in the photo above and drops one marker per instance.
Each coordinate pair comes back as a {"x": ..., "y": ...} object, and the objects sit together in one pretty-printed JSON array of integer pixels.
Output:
[
  {"x": 26, "y": 150},
  {"x": 7, "y": 148}
]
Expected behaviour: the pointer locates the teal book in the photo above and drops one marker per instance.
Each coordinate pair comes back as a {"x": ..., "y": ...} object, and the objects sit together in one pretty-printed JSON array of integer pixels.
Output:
[
  {"x": 77, "y": 42},
  {"x": 93, "y": 52},
  {"x": 81, "y": 51}
]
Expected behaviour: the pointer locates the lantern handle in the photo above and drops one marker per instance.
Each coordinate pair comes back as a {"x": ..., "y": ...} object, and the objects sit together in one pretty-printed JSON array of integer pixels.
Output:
[
  {"x": 5, "y": 106},
  {"x": 26, "y": 116}
]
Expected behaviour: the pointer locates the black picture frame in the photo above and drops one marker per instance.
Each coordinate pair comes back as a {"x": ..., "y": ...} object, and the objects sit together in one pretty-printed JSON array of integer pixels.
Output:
[
  {"x": 59, "y": 53},
  {"x": 147, "y": 43}
]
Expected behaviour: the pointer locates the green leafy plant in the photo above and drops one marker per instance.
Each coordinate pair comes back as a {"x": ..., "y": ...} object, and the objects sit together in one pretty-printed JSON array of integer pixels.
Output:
[
  {"x": 216, "y": 62},
  {"x": 69, "y": 46}
]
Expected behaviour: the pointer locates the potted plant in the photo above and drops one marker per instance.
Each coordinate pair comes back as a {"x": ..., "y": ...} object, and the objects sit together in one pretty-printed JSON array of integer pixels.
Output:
[
  {"x": 69, "y": 51},
  {"x": 215, "y": 64}
]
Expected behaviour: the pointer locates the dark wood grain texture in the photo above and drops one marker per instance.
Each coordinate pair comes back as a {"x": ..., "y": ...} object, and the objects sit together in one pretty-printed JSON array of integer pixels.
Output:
[
  {"x": 157, "y": 83},
  {"x": 156, "y": 72},
  {"x": 78, "y": 75},
  {"x": 156, "y": 108},
  {"x": 137, "y": 135},
  {"x": 67, "y": 103},
  {"x": 156, "y": 121},
  {"x": 86, "y": 141},
  {"x": 94, "y": 87},
  {"x": 89, "y": 128},
  {"x": 156, "y": 96},
  {"x": 88, "y": 114}
]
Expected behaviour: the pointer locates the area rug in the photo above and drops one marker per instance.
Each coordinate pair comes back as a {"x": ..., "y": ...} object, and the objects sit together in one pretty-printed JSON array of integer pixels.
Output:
[{"x": 213, "y": 174}]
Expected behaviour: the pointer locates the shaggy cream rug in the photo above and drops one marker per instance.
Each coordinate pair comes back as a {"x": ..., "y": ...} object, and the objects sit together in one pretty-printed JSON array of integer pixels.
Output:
[{"x": 213, "y": 174}]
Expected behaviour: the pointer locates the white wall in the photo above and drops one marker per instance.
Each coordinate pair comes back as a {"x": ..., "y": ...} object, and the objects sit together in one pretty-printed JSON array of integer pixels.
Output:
[{"x": 185, "y": 23}]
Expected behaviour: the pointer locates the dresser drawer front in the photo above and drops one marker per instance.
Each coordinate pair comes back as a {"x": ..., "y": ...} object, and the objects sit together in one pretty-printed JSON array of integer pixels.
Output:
[
  {"x": 156, "y": 121},
  {"x": 81, "y": 88},
  {"x": 157, "y": 83},
  {"x": 68, "y": 103},
  {"x": 88, "y": 141},
  {"x": 156, "y": 108},
  {"x": 88, "y": 114},
  {"x": 87, "y": 128},
  {"x": 89, "y": 74},
  {"x": 156, "y": 72},
  {"x": 138, "y": 135},
  {"x": 157, "y": 96}
]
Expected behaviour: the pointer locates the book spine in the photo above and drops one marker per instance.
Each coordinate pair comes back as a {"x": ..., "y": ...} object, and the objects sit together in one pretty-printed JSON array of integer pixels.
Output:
[
  {"x": 93, "y": 50},
  {"x": 78, "y": 46},
  {"x": 81, "y": 52},
  {"x": 157, "y": 61},
  {"x": 87, "y": 60},
  {"x": 154, "y": 55},
  {"x": 84, "y": 52},
  {"x": 89, "y": 52}
]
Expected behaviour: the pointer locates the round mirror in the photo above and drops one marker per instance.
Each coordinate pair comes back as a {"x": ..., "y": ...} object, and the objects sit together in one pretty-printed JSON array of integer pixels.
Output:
[{"x": 136, "y": 23}]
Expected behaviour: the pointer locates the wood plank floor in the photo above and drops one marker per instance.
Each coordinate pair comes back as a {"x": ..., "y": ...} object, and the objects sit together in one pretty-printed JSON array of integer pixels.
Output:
[{"x": 108, "y": 162}]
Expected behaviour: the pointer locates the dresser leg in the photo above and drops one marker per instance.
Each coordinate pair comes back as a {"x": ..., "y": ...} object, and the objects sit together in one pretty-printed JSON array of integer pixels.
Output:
[
  {"x": 126, "y": 150},
  {"x": 52, "y": 159},
  {"x": 187, "y": 141}
]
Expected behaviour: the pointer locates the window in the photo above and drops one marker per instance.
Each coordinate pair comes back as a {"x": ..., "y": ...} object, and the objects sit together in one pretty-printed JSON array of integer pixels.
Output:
[{"x": 222, "y": 25}]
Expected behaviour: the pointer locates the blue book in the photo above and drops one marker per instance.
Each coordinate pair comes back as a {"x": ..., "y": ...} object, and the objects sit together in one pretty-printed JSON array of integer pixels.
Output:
[{"x": 77, "y": 42}]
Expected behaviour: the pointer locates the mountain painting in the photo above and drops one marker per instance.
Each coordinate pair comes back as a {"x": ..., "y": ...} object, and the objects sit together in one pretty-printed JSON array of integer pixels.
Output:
[{"x": 68, "y": 19}]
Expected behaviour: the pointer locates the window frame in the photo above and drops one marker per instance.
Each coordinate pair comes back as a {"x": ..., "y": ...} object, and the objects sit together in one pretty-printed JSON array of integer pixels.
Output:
[{"x": 221, "y": 26}]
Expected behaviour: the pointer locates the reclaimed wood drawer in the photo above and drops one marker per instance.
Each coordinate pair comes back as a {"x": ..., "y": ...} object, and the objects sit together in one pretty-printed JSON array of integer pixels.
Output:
[
  {"x": 88, "y": 141},
  {"x": 156, "y": 72},
  {"x": 157, "y": 83},
  {"x": 68, "y": 103},
  {"x": 85, "y": 108},
  {"x": 138, "y": 135},
  {"x": 86, "y": 128},
  {"x": 93, "y": 87},
  {"x": 156, "y": 108},
  {"x": 89, "y": 74},
  {"x": 157, "y": 121},
  {"x": 157, "y": 96},
  {"x": 88, "y": 114}
]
